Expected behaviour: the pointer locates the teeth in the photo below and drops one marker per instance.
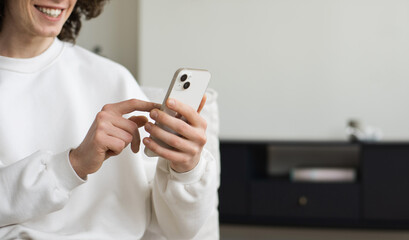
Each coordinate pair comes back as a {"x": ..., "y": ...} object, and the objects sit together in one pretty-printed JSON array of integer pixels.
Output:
[{"x": 50, "y": 12}]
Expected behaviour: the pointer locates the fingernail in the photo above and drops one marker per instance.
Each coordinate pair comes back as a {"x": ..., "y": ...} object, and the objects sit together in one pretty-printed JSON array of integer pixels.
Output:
[
  {"x": 146, "y": 140},
  {"x": 148, "y": 127},
  {"x": 154, "y": 114},
  {"x": 171, "y": 102}
]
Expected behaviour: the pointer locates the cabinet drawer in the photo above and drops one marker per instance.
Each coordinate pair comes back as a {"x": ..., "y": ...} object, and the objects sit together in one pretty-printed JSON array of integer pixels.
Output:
[{"x": 304, "y": 200}]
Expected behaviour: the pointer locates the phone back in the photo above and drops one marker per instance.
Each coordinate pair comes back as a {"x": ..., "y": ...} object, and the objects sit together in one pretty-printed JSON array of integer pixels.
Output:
[{"x": 187, "y": 86}]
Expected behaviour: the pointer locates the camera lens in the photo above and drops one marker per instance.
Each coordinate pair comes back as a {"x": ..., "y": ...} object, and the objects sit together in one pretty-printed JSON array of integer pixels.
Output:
[
  {"x": 186, "y": 85},
  {"x": 183, "y": 77}
]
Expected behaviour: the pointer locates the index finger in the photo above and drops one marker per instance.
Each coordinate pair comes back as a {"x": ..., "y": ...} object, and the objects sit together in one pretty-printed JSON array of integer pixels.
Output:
[
  {"x": 191, "y": 115},
  {"x": 131, "y": 105}
]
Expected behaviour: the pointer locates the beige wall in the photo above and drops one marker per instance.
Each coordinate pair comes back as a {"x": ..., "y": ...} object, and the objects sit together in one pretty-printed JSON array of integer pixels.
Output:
[
  {"x": 284, "y": 69},
  {"x": 115, "y": 31}
]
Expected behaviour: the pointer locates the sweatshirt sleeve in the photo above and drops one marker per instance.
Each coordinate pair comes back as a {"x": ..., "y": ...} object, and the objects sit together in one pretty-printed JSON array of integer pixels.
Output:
[
  {"x": 182, "y": 202},
  {"x": 35, "y": 186}
]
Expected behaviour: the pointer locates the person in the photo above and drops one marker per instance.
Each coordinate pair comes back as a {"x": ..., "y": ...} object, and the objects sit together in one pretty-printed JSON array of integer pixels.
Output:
[{"x": 71, "y": 125}]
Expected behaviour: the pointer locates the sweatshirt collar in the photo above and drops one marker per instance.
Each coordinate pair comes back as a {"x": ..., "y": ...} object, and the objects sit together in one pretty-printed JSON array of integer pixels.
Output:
[{"x": 35, "y": 64}]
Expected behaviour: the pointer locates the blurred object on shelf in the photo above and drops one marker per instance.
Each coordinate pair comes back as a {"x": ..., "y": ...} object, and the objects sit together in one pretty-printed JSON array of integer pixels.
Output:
[
  {"x": 357, "y": 132},
  {"x": 323, "y": 175}
]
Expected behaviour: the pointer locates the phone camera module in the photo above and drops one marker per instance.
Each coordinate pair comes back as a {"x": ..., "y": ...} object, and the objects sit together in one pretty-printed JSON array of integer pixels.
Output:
[
  {"x": 183, "y": 77},
  {"x": 186, "y": 85}
]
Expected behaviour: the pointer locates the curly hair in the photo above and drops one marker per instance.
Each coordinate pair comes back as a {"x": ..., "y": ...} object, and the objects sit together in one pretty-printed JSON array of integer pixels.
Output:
[{"x": 84, "y": 8}]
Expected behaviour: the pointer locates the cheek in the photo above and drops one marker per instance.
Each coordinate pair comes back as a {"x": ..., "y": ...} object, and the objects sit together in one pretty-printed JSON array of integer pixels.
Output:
[
  {"x": 22, "y": 14},
  {"x": 72, "y": 6},
  {"x": 26, "y": 9},
  {"x": 31, "y": 15}
]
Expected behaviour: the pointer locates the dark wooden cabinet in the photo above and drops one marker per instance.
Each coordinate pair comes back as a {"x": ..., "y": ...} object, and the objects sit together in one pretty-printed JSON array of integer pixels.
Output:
[
  {"x": 235, "y": 185},
  {"x": 379, "y": 196},
  {"x": 385, "y": 180},
  {"x": 304, "y": 200}
]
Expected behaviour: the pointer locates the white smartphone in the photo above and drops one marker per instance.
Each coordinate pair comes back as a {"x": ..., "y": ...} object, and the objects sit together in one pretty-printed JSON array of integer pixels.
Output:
[{"x": 187, "y": 86}]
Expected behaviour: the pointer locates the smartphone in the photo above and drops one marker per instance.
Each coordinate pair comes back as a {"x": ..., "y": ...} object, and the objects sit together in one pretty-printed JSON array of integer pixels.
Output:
[{"x": 187, "y": 86}]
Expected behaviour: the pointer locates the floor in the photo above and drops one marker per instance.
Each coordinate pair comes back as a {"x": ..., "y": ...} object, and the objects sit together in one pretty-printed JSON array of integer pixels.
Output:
[{"x": 240, "y": 232}]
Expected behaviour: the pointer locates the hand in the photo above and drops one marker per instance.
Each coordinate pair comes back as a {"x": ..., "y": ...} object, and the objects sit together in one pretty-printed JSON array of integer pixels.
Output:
[
  {"x": 188, "y": 146},
  {"x": 109, "y": 134}
]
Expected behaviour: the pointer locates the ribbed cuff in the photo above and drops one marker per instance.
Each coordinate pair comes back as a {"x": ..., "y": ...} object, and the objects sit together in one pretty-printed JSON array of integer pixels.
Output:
[
  {"x": 65, "y": 174},
  {"x": 193, "y": 175}
]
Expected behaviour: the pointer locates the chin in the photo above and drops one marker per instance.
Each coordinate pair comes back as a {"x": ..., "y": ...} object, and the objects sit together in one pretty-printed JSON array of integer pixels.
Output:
[{"x": 50, "y": 33}]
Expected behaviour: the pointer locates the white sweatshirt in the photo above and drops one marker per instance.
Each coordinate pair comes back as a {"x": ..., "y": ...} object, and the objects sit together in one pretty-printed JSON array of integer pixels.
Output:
[{"x": 47, "y": 104}]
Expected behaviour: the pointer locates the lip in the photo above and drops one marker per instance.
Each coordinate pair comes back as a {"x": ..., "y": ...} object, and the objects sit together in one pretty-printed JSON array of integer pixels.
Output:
[
  {"x": 48, "y": 6},
  {"x": 53, "y": 19}
]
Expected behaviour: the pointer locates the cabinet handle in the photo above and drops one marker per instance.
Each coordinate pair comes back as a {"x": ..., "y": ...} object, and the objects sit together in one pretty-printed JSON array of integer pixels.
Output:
[{"x": 302, "y": 201}]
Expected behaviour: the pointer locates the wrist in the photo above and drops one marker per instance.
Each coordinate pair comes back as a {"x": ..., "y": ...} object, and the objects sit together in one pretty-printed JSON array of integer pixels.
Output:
[
  {"x": 75, "y": 163},
  {"x": 182, "y": 168},
  {"x": 189, "y": 177}
]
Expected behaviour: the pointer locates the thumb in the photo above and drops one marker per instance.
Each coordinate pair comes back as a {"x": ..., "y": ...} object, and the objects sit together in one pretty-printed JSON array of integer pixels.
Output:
[{"x": 136, "y": 139}]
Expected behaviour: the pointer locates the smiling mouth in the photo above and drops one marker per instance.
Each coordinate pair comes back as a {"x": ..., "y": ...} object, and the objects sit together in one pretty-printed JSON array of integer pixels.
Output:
[{"x": 52, "y": 12}]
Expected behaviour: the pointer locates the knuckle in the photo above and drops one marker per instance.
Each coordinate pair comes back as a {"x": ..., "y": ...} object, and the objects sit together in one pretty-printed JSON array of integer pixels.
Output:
[
  {"x": 119, "y": 146},
  {"x": 196, "y": 151},
  {"x": 185, "y": 160},
  {"x": 133, "y": 126},
  {"x": 98, "y": 139},
  {"x": 128, "y": 138},
  {"x": 153, "y": 147},
  {"x": 107, "y": 107},
  {"x": 134, "y": 101},
  {"x": 181, "y": 128},
  {"x": 101, "y": 126},
  {"x": 202, "y": 139},
  {"x": 101, "y": 116},
  {"x": 175, "y": 142}
]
